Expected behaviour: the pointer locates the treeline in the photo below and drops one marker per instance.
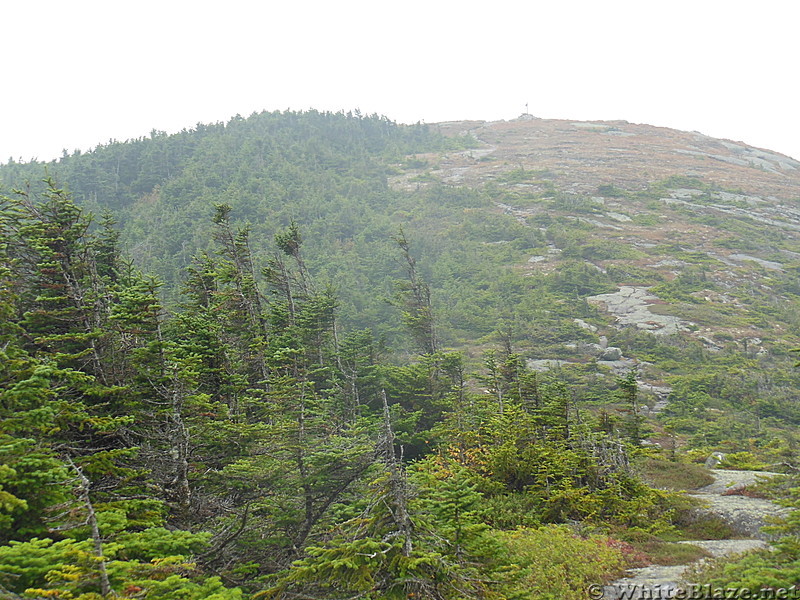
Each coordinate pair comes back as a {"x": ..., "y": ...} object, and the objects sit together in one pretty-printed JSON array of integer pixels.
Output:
[{"x": 246, "y": 443}]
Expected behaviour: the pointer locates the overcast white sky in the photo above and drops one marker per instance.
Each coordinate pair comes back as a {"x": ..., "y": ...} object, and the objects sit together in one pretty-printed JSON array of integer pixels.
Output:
[{"x": 80, "y": 72}]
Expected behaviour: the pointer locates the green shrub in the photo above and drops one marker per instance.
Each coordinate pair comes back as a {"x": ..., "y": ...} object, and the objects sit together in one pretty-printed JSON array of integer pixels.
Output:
[
  {"x": 755, "y": 571},
  {"x": 742, "y": 460},
  {"x": 554, "y": 563}
]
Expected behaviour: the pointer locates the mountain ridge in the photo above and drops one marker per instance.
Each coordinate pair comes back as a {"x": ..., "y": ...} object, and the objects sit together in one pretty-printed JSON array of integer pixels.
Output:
[
  {"x": 661, "y": 187},
  {"x": 645, "y": 153}
]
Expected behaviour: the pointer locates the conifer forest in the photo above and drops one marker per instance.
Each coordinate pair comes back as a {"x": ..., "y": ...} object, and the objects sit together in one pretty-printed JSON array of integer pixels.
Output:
[{"x": 280, "y": 358}]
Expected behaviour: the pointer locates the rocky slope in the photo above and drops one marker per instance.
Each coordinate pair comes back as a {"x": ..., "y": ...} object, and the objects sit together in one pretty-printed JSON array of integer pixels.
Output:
[
  {"x": 701, "y": 235},
  {"x": 746, "y": 515},
  {"x": 580, "y": 156}
]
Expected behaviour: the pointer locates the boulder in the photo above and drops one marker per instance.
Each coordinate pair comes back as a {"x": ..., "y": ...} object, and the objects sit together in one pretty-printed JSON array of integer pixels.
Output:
[
  {"x": 715, "y": 459},
  {"x": 611, "y": 353}
]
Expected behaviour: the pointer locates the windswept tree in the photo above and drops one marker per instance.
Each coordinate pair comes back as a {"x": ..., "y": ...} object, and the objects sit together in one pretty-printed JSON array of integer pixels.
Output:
[{"x": 413, "y": 298}]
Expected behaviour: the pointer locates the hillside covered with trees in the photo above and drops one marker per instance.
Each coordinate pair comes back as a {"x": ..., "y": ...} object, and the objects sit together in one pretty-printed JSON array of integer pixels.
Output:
[{"x": 289, "y": 356}]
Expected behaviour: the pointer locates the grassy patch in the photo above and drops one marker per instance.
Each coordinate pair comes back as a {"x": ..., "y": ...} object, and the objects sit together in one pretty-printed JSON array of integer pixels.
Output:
[
  {"x": 672, "y": 553},
  {"x": 673, "y": 475},
  {"x": 704, "y": 526},
  {"x": 661, "y": 552}
]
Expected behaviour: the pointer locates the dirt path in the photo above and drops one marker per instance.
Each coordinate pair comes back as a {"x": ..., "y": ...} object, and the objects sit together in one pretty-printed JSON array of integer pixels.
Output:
[{"x": 745, "y": 515}]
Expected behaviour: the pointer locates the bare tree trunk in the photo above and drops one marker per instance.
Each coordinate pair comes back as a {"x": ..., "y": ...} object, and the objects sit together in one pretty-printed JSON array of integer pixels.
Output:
[
  {"x": 91, "y": 520},
  {"x": 398, "y": 489},
  {"x": 179, "y": 440}
]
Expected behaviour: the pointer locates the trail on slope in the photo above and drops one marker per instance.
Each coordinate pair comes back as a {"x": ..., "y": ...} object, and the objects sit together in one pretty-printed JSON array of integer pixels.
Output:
[{"x": 745, "y": 515}]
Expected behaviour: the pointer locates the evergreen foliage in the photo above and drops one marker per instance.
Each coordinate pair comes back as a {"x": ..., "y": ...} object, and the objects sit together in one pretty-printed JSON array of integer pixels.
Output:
[
  {"x": 248, "y": 386},
  {"x": 175, "y": 449}
]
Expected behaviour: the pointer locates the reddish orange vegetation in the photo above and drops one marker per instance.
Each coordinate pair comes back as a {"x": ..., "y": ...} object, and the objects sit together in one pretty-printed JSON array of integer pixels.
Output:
[
  {"x": 743, "y": 490},
  {"x": 633, "y": 558}
]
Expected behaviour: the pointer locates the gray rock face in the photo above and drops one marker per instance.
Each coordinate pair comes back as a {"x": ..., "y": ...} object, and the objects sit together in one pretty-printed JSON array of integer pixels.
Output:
[
  {"x": 545, "y": 364},
  {"x": 646, "y": 583},
  {"x": 662, "y": 391},
  {"x": 745, "y": 515},
  {"x": 767, "y": 264},
  {"x": 580, "y": 322},
  {"x": 631, "y": 306},
  {"x": 720, "y": 548},
  {"x": 728, "y": 479},
  {"x": 611, "y": 353}
]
